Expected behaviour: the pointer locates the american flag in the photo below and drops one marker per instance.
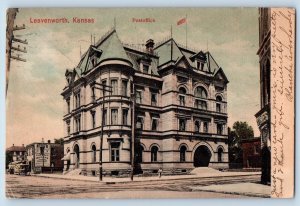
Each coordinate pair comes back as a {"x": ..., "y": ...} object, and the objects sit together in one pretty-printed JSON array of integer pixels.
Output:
[{"x": 181, "y": 21}]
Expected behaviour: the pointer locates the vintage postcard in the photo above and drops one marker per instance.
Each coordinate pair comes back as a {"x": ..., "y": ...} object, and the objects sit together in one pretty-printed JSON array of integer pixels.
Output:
[{"x": 150, "y": 102}]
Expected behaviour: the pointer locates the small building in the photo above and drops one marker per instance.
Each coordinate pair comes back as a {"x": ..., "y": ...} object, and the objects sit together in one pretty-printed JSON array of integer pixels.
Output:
[
  {"x": 251, "y": 152},
  {"x": 45, "y": 157},
  {"x": 15, "y": 153}
]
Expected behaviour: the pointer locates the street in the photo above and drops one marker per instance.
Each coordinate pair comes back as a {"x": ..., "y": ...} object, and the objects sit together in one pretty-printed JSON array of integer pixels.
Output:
[{"x": 41, "y": 187}]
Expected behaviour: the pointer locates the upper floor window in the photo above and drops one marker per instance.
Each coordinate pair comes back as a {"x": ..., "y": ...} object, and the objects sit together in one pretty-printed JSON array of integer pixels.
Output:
[
  {"x": 218, "y": 103},
  {"x": 200, "y": 104},
  {"x": 68, "y": 128},
  {"x": 124, "y": 87},
  {"x": 104, "y": 117},
  {"x": 114, "y": 116},
  {"x": 182, "y": 93},
  {"x": 145, "y": 68},
  {"x": 77, "y": 124},
  {"x": 154, "y": 125},
  {"x": 182, "y": 124},
  {"x": 68, "y": 105},
  {"x": 219, "y": 129},
  {"x": 93, "y": 94},
  {"x": 200, "y": 92},
  {"x": 93, "y": 115},
  {"x": 139, "y": 122},
  {"x": 197, "y": 126},
  {"x": 205, "y": 127},
  {"x": 138, "y": 97},
  {"x": 114, "y": 87},
  {"x": 104, "y": 82},
  {"x": 153, "y": 99},
  {"x": 77, "y": 100},
  {"x": 200, "y": 65},
  {"x": 124, "y": 116}
]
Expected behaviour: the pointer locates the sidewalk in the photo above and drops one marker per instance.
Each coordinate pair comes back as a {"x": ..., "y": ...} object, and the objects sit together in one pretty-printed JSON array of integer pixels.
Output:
[
  {"x": 137, "y": 179},
  {"x": 247, "y": 189}
]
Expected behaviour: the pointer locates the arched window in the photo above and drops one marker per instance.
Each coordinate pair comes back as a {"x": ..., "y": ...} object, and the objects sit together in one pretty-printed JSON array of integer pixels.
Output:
[
  {"x": 200, "y": 92},
  {"x": 182, "y": 93},
  {"x": 197, "y": 126},
  {"x": 182, "y": 153},
  {"x": 220, "y": 153},
  {"x": 218, "y": 104},
  {"x": 154, "y": 151},
  {"x": 93, "y": 153}
]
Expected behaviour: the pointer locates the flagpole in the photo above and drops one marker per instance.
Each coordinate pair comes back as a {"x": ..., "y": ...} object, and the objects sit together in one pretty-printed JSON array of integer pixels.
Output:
[{"x": 186, "y": 22}]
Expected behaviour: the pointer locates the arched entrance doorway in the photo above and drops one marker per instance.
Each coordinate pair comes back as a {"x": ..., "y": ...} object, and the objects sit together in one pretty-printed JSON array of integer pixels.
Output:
[
  {"x": 76, "y": 156},
  {"x": 202, "y": 156}
]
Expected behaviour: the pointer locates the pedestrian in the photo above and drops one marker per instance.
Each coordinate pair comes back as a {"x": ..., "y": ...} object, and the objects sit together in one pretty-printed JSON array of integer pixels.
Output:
[{"x": 159, "y": 172}]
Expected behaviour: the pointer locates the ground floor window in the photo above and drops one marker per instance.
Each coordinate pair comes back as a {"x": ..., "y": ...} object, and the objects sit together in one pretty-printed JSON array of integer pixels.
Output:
[
  {"x": 220, "y": 154},
  {"x": 93, "y": 153},
  {"x": 182, "y": 153},
  {"x": 154, "y": 151},
  {"x": 115, "y": 151}
]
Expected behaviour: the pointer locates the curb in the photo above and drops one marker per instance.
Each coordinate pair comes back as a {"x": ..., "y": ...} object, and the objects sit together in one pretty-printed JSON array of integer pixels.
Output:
[{"x": 149, "y": 180}]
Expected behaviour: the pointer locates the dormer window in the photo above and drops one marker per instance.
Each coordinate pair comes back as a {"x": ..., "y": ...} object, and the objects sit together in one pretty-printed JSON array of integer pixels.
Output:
[
  {"x": 93, "y": 61},
  {"x": 200, "y": 65},
  {"x": 145, "y": 68}
]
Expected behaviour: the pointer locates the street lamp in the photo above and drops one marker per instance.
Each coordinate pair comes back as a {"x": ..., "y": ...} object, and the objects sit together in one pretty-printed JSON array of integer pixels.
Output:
[{"x": 104, "y": 89}]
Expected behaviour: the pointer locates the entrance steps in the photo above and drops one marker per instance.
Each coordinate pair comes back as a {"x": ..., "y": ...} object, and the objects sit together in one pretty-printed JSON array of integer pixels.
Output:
[
  {"x": 204, "y": 170},
  {"x": 74, "y": 172}
]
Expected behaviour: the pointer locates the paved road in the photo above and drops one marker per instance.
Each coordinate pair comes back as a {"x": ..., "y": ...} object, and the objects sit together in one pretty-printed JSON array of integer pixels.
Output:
[{"x": 40, "y": 187}]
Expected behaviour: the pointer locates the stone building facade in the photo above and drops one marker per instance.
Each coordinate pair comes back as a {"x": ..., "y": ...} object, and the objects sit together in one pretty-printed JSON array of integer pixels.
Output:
[
  {"x": 180, "y": 99},
  {"x": 263, "y": 115}
]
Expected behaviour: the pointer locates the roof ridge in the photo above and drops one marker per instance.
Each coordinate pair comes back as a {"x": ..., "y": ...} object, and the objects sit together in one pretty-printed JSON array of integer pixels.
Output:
[{"x": 105, "y": 36}]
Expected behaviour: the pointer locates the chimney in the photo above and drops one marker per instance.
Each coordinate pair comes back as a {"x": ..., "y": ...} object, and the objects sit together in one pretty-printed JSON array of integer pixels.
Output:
[
  {"x": 150, "y": 46},
  {"x": 49, "y": 141}
]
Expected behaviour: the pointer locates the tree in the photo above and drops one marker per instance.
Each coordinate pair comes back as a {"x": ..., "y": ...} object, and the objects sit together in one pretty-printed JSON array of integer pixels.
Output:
[
  {"x": 59, "y": 141},
  {"x": 241, "y": 131}
]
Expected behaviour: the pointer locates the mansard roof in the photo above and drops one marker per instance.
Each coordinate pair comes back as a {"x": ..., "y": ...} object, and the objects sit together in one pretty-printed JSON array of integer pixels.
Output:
[
  {"x": 170, "y": 51},
  {"x": 109, "y": 47}
]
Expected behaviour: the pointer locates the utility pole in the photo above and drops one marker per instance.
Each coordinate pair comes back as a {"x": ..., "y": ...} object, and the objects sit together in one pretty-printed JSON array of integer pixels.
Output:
[
  {"x": 132, "y": 132},
  {"x": 104, "y": 89}
]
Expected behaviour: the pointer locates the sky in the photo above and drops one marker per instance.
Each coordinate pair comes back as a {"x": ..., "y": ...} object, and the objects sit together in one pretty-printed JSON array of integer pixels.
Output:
[{"x": 34, "y": 104}]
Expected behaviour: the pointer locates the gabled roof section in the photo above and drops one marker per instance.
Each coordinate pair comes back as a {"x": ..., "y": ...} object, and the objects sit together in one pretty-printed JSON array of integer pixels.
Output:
[
  {"x": 220, "y": 75},
  {"x": 212, "y": 64},
  {"x": 168, "y": 51},
  {"x": 112, "y": 48}
]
